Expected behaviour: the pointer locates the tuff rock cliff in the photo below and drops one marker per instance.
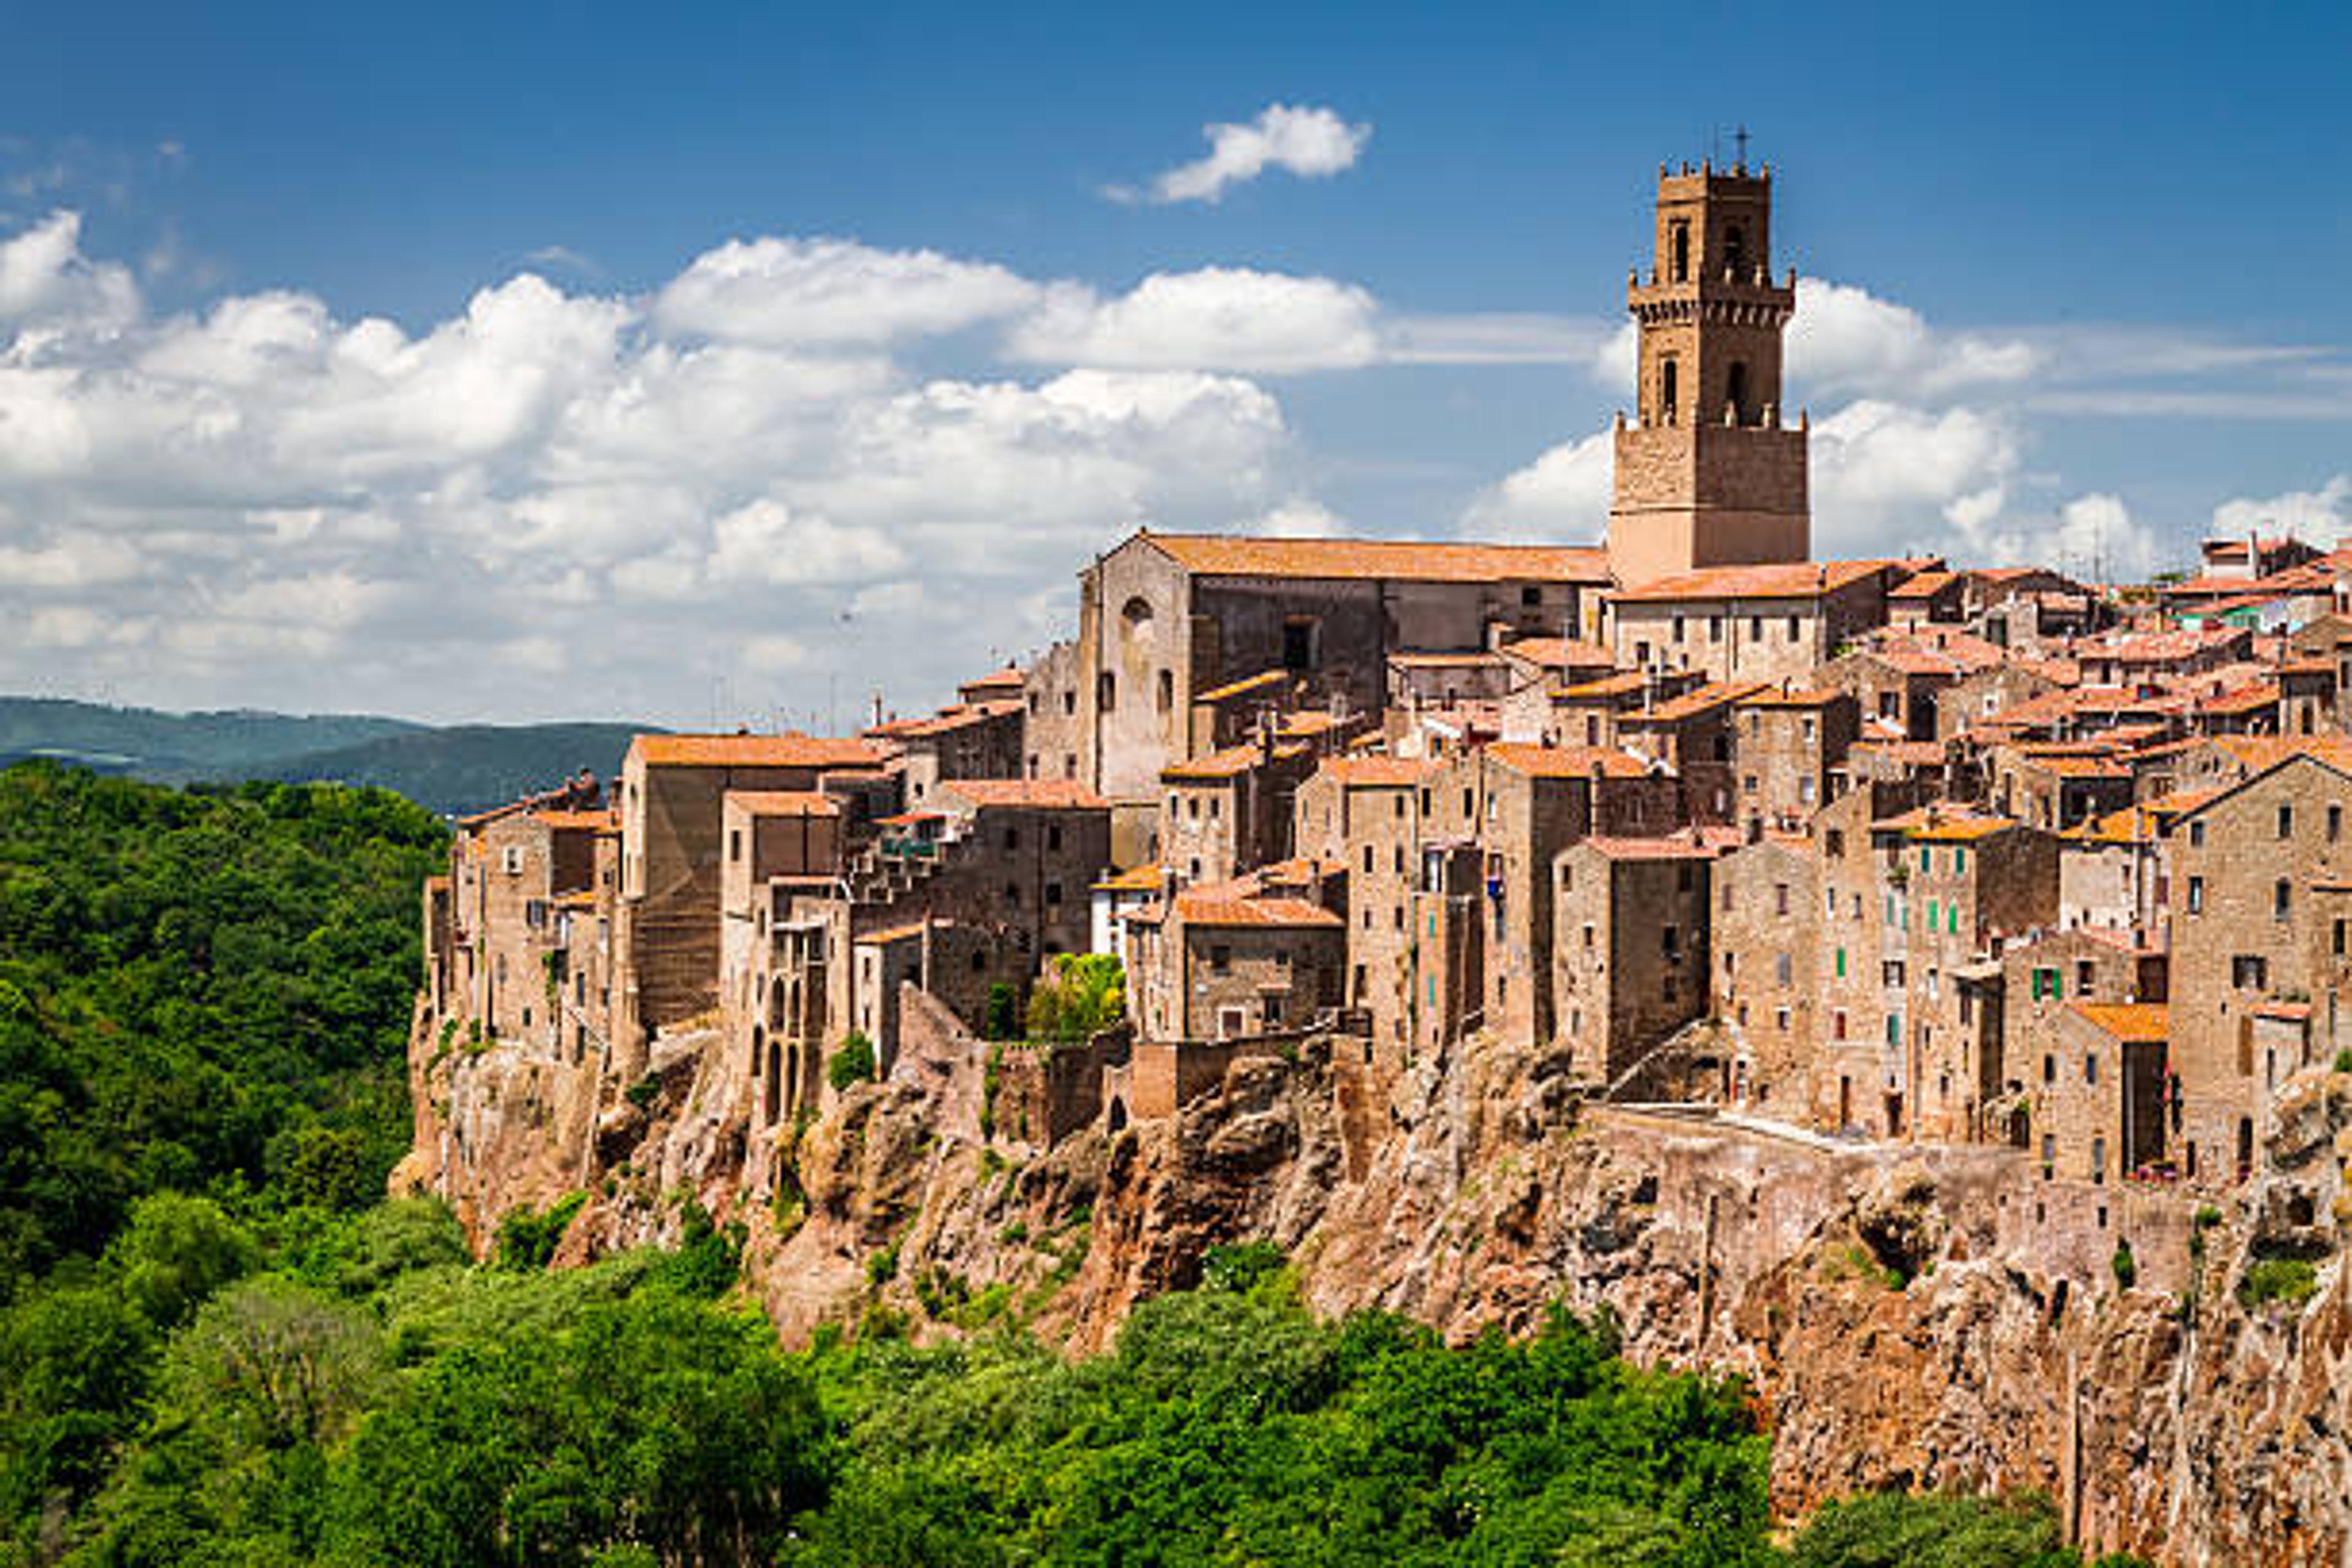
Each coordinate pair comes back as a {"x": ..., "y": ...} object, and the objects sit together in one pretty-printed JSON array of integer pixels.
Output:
[{"x": 1915, "y": 1318}]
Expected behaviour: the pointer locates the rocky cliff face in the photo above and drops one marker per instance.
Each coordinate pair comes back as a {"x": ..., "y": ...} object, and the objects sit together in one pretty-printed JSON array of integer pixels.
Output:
[{"x": 1909, "y": 1317}]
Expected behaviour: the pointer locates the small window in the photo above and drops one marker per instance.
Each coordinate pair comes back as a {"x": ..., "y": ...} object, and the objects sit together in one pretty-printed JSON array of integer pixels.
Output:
[
  {"x": 734, "y": 845},
  {"x": 2281, "y": 900},
  {"x": 1221, "y": 959},
  {"x": 1531, "y": 596},
  {"x": 2286, "y": 822},
  {"x": 2197, "y": 835},
  {"x": 2196, "y": 895}
]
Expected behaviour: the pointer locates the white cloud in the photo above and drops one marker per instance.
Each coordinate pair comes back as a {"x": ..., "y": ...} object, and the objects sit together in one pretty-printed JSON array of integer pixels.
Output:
[
  {"x": 44, "y": 280},
  {"x": 1309, "y": 141},
  {"x": 1298, "y": 519},
  {"x": 1560, "y": 497},
  {"x": 557, "y": 502},
  {"x": 1889, "y": 478},
  {"x": 2322, "y": 517},
  {"x": 830, "y": 292},
  {"x": 1218, "y": 318},
  {"x": 1846, "y": 339}
]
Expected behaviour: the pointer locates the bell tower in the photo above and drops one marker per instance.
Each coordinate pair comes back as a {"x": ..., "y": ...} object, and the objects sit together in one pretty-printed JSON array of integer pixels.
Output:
[{"x": 1707, "y": 475}]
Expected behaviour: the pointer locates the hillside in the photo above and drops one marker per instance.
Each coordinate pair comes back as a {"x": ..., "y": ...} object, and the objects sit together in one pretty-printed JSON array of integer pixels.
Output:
[
  {"x": 174, "y": 748},
  {"x": 450, "y": 770},
  {"x": 467, "y": 767}
]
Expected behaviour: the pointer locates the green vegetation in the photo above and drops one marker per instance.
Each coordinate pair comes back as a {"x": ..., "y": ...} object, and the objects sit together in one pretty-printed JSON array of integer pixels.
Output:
[
  {"x": 1080, "y": 995},
  {"x": 854, "y": 1063},
  {"x": 1002, "y": 1019},
  {"x": 2344, "y": 1059},
  {"x": 2126, "y": 1267},
  {"x": 1893, "y": 1530},
  {"x": 213, "y": 1353},
  {"x": 201, "y": 992},
  {"x": 2293, "y": 1280}
]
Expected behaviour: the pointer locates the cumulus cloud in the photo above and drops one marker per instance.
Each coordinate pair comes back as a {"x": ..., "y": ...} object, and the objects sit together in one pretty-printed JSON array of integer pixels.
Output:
[
  {"x": 1218, "y": 318},
  {"x": 801, "y": 292},
  {"x": 1846, "y": 340},
  {"x": 2322, "y": 517},
  {"x": 567, "y": 502},
  {"x": 1311, "y": 142},
  {"x": 1889, "y": 478},
  {"x": 1560, "y": 497}
]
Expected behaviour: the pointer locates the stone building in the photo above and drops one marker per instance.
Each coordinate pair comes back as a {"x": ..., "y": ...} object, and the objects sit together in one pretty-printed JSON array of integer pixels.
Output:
[
  {"x": 666, "y": 920},
  {"x": 2261, "y": 895},
  {"x": 1165, "y": 616},
  {"x": 1750, "y": 623},
  {"x": 1764, "y": 934},
  {"x": 1789, "y": 746},
  {"x": 1954, "y": 884},
  {"x": 1709, "y": 474},
  {"x": 1373, "y": 815},
  {"x": 499, "y": 959},
  {"x": 1631, "y": 967}
]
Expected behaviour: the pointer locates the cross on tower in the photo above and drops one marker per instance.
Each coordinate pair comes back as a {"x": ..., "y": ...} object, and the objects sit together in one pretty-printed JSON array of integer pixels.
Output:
[{"x": 1741, "y": 138}]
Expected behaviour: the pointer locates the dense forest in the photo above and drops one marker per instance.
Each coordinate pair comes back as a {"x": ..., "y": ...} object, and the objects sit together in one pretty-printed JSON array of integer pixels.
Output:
[{"x": 219, "y": 1346}]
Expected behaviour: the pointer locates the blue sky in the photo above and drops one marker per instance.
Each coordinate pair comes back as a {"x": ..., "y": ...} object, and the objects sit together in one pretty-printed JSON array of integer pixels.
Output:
[{"x": 2076, "y": 287}]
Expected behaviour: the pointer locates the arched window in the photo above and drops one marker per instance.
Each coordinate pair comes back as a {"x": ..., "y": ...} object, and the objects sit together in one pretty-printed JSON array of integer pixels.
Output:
[
  {"x": 1682, "y": 253},
  {"x": 1669, "y": 392},
  {"x": 1137, "y": 614},
  {"x": 1735, "y": 251},
  {"x": 1738, "y": 391}
]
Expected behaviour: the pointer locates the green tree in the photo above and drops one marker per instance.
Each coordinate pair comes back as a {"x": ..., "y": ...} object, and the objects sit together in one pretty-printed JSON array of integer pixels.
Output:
[
  {"x": 1080, "y": 995},
  {"x": 176, "y": 1251}
]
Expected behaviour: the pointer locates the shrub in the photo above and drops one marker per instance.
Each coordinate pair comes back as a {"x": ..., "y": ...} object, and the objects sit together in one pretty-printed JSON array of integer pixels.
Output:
[
  {"x": 2344, "y": 1059},
  {"x": 1237, "y": 1266},
  {"x": 1002, "y": 1019},
  {"x": 1080, "y": 995},
  {"x": 642, "y": 1092},
  {"x": 2126, "y": 1266},
  {"x": 2267, "y": 1280},
  {"x": 854, "y": 1063},
  {"x": 528, "y": 1240},
  {"x": 882, "y": 1267}
]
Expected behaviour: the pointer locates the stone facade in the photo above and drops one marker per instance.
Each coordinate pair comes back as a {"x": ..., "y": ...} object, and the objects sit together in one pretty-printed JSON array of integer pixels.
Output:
[{"x": 1632, "y": 966}]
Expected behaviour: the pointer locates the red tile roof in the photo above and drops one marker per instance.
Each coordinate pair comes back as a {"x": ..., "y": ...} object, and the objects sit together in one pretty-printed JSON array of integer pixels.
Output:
[
  {"x": 1234, "y": 555},
  {"x": 752, "y": 752},
  {"x": 784, "y": 802},
  {"x": 1203, "y": 908},
  {"x": 2134, "y": 1023},
  {"x": 1048, "y": 794},
  {"x": 1567, "y": 762},
  {"x": 1783, "y": 580}
]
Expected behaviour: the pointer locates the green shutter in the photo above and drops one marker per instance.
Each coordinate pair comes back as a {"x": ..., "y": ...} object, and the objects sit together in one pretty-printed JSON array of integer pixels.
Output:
[{"x": 1841, "y": 963}]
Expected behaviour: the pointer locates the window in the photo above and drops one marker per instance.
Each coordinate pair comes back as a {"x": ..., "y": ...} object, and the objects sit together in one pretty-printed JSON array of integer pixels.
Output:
[
  {"x": 1835, "y": 841},
  {"x": 1166, "y": 690},
  {"x": 1678, "y": 628},
  {"x": 2048, "y": 1068},
  {"x": 1053, "y": 836},
  {"x": 1682, "y": 253},
  {"x": 1714, "y": 628},
  {"x": 1841, "y": 963},
  {"x": 734, "y": 845},
  {"x": 1837, "y": 1025},
  {"x": 513, "y": 860},
  {"x": 1737, "y": 392},
  {"x": 2083, "y": 977},
  {"x": 1780, "y": 898},
  {"x": 1792, "y": 629},
  {"x": 2197, "y": 835},
  {"x": 1959, "y": 860},
  {"x": 2249, "y": 972},
  {"x": 1781, "y": 970},
  {"x": 2334, "y": 823},
  {"x": 2196, "y": 895},
  {"x": 1670, "y": 942},
  {"x": 1780, "y": 1019},
  {"x": 1013, "y": 895},
  {"x": 2048, "y": 983},
  {"x": 1735, "y": 251},
  {"x": 2281, "y": 900},
  {"x": 1669, "y": 391},
  {"x": 2335, "y": 940},
  {"x": 1532, "y": 597},
  {"x": 1013, "y": 838},
  {"x": 2286, "y": 822},
  {"x": 1221, "y": 959},
  {"x": 1106, "y": 691},
  {"x": 1299, "y": 644},
  {"x": 2091, "y": 1067},
  {"x": 1053, "y": 894}
]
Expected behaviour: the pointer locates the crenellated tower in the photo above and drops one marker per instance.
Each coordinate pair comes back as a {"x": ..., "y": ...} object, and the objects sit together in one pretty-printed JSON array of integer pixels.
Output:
[{"x": 1708, "y": 473}]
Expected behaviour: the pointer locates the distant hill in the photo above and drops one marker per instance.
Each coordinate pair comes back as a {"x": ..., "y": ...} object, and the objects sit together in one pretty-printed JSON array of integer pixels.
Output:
[
  {"x": 174, "y": 748},
  {"x": 453, "y": 770},
  {"x": 470, "y": 766}
]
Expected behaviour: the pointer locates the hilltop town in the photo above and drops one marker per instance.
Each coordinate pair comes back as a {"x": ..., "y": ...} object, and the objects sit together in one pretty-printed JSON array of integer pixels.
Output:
[{"x": 2016, "y": 904}]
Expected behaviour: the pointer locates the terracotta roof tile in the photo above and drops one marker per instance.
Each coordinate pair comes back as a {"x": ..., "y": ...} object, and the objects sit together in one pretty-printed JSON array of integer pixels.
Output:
[
  {"x": 1235, "y": 555},
  {"x": 784, "y": 802},
  {"x": 1048, "y": 794},
  {"x": 753, "y": 752},
  {"x": 1782, "y": 580},
  {"x": 1567, "y": 762},
  {"x": 1200, "y": 907},
  {"x": 2134, "y": 1023}
]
